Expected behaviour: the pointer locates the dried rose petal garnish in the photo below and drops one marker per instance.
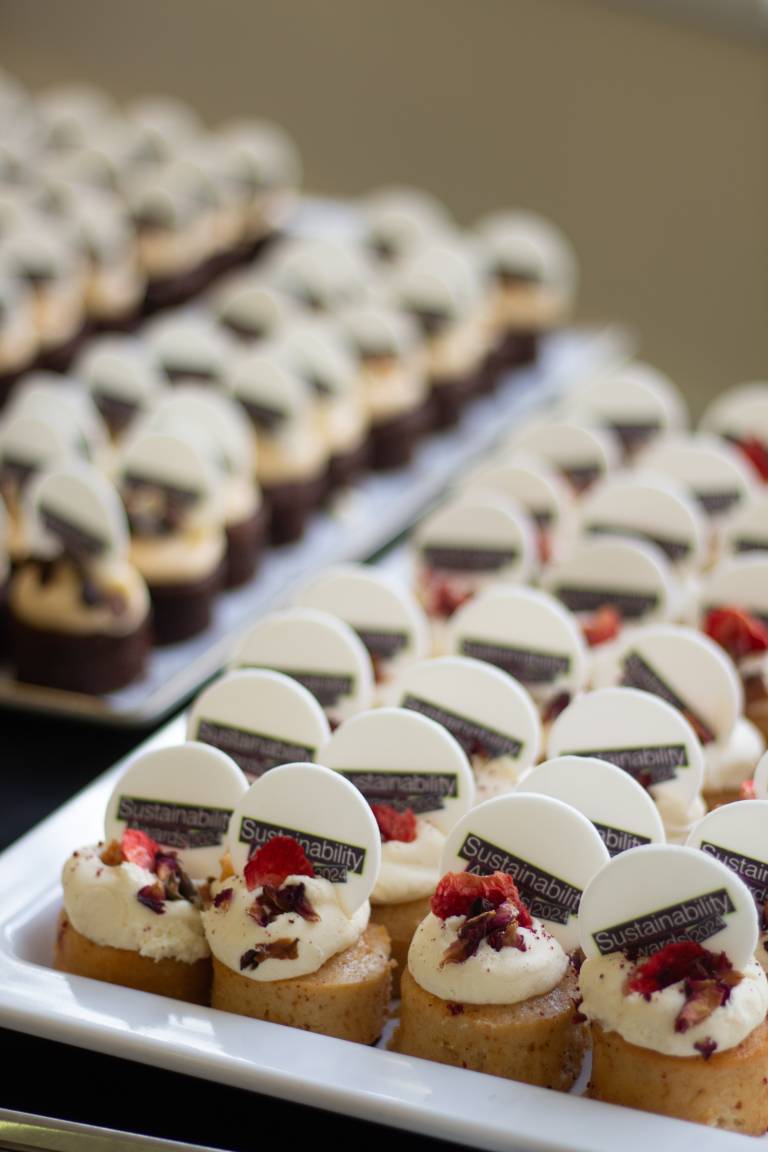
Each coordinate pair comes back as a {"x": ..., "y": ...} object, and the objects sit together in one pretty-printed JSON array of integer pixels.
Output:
[
  {"x": 463, "y": 894},
  {"x": 139, "y": 849},
  {"x": 756, "y": 453},
  {"x": 223, "y": 899},
  {"x": 274, "y": 902},
  {"x": 603, "y": 626},
  {"x": 174, "y": 879},
  {"x": 555, "y": 706},
  {"x": 738, "y": 632},
  {"x": 394, "y": 825},
  {"x": 443, "y": 595},
  {"x": 747, "y": 790},
  {"x": 275, "y": 861},
  {"x": 152, "y": 896},
  {"x": 708, "y": 979},
  {"x": 706, "y": 1047},
  {"x": 496, "y": 925},
  {"x": 283, "y": 949}
]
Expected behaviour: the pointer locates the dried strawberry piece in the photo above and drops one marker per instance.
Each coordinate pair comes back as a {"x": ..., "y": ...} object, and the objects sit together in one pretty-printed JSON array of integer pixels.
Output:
[
  {"x": 603, "y": 626},
  {"x": 280, "y": 857},
  {"x": 152, "y": 896},
  {"x": 738, "y": 632},
  {"x": 174, "y": 879},
  {"x": 671, "y": 964},
  {"x": 747, "y": 790},
  {"x": 273, "y": 902},
  {"x": 223, "y": 899},
  {"x": 708, "y": 979},
  {"x": 756, "y": 452},
  {"x": 462, "y": 894},
  {"x": 139, "y": 848},
  {"x": 282, "y": 949},
  {"x": 394, "y": 825}
]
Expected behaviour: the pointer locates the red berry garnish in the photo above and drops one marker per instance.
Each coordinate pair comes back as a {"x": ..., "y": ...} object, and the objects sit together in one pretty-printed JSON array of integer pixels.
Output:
[
  {"x": 735, "y": 630},
  {"x": 395, "y": 825},
  {"x": 603, "y": 626},
  {"x": 280, "y": 857},
  {"x": 707, "y": 977},
  {"x": 747, "y": 790},
  {"x": 463, "y": 893},
  {"x": 139, "y": 848},
  {"x": 756, "y": 453}
]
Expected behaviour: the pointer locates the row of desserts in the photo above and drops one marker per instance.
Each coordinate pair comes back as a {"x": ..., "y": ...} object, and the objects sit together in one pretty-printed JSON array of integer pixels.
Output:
[
  {"x": 671, "y": 984},
  {"x": 107, "y": 213}
]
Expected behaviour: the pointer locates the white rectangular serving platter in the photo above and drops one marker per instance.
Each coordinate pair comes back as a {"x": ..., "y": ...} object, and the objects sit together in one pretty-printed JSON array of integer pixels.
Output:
[
  {"x": 469, "y": 1108},
  {"x": 361, "y": 523}
]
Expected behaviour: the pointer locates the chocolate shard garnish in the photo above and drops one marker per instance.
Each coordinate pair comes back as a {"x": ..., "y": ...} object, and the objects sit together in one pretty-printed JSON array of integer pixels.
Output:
[
  {"x": 283, "y": 949},
  {"x": 274, "y": 902},
  {"x": 152, "y": 896}
]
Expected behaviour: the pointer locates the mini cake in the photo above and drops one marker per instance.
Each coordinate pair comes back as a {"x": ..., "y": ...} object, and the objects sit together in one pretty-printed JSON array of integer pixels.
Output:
[
  {"x": 131, "y": 916},
  {"x": 285, "y": 950},
  {"x": 321, "y": 358},
  {"x": 28, "y": 446},
  {"x": 200, "y": 165},
  {"x": 488, "y": 988},
  {"x": 251, "y": 311},
  {"x": 80, "y": 611},
  {"x": 124, "y": 379},
  {"x": 263, "y": 163},
  {"x": 397, "y": 221},
  {"x": 114, "y": 285},
  {"x": 190, "y": 349},
  {"x": 391, "y": 382},
  {"x": 291, "y": 459},
  {"x": 174, "y": 503},
  {"x": 744, "y": 636},
  {"x": 323, "y": 275},
  {"x": 18, "y": 335}
]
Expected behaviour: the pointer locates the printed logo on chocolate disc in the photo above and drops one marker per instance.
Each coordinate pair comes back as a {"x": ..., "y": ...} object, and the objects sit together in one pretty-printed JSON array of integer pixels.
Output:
[
  {"x": 582, "y": 455},
  {"x": 634, "y": 401},
  {"x": 183, "y": 797},
  {"x": 649, "y": 511},
  {"x": 382, "y": 612},
  {"x": 271, "y": 393},
  {"x": 623, "y": 813},
  {"x": 317, "y": 649},
  {"x": 259, "y": 718},
  {"x": 713, "y": 472},
  {"x": 489, "y": 713},
  {"x": 165, "y": 481},
  {"x": 630, "y": 576},
  {"x": 735, "y": 834},
  {"x": 550, "y": 850},
  {"x": 75, "y": 510},
  {"x": 326, "y": 814},
  {"x": 479, "y": 537},
  {"x": 738, "y": 582},
  {"x": 525, "y": 633},
  {"x": 527, "y": 483},
  {"x": 747, "y": 529},
  {"x": 61, "y": 401},
  {"x": 123, "y": 377},
  {"x": 404, "y": 761},
  {"x": 662, "y": 894},
  {"x": 684, "y": 668},
  {"x": 639, "y": 733}
]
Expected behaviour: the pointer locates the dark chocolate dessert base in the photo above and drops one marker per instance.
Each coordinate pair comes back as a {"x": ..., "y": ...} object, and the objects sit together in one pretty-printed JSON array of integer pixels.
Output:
[
  {"x": 124, "y": 322},
  {"x": 9, "y": 379},
  {"x": 347, "y": 467},
  {"x": 518, "y": 348},
  {"x": 171, "y": 291},
  {"x": 291, "y": 505},
  {"x": 393, "y": 442},
  {"x": 95, "y": 663},
  {"x": 60, "y": 357},
  {"x": 449, "y": 399},
  {"x": 181, "y": 611},
  {"x": 245, "y": 545}
]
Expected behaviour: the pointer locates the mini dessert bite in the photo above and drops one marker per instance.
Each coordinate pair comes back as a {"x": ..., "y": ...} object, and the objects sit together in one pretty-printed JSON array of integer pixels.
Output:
[
  {"x": 382, "y": 612},
  {"x": 260, "y": 718},
  {"x": 646, "y": 737},
  {"x": 132, "y": 903},
  {"x": 318, "y": 650},
  {"x": 621, "y": 810},
  {"x": 64, "y": 402},
  {"x": 418, "y": 782},
  {"x": 291, "y": 458},
  {"x": 124, "y": 379},
  {"x": 318, "y": 354},
  {"x": 80, "y": 610},
  {"x": 218, "y": 425},
  {"x": 114, "y": 283},
  {"x": 694, "y": 675},
  {"x": 531, "y": 637},
  {"x": 740, "y": 416},
  {"x": 263, "y": 162},
  {"x": 464, "y": 547},
  {"x": 175, "y": 509},
  {"x": 52, "y": 267},
  {"x": 438, "y": 288},
  {"x": 734, "y": 612},
  {"x": 18, "y": 335},
  {"x": 190, "y": 349},
  {"x": 676, "y": 1001},
  {"x": 489, "y": 985},
  {"x": 289, "y": 928},
  {"x": 490, "y": 715},
  {"x": 320, "y": 273},
  {"x": 398, "y": 221},
  {"x": 251, "y": 311},
  {"x": 391, "y": 381},
  {"x": 580, "y": 454},
  {"x": 28, "y": 446}
]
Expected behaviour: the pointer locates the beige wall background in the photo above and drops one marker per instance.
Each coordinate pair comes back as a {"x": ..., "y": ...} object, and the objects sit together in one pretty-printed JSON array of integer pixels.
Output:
[{"x": 647, "y": 141}]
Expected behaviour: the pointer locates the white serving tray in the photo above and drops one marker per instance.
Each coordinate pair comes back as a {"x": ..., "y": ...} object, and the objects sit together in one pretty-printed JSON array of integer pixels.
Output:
[
  {"x": 361, "y": 523},
  {"x": 470, "y": 1108}
]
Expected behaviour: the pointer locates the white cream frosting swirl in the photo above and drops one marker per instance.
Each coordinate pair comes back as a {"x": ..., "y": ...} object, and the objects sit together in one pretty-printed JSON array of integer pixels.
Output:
[
  {"x": 727, "y": 764},
  {"x": 409, "y": 869},
  {"x": 101, "y": 903},
  {"x": 489, "y": 977},
  {"x": 231, "y": 932},
  {"x": 651, "y": 1023}
]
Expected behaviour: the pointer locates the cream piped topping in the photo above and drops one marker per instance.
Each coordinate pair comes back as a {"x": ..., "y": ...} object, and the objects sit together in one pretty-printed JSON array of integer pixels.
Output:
[
  {"x": 410, "y": 869},
  {"x": 508, "y": 976},
  {"x": 650, "y": 1023},
  {"x": 678, "y": 819},
  {"x": 300, "y": 945},
  {"x": 728, "y": 763},
  {"x": 56, "y": 601},
  {"x": 101, "y": 902},
  {"x": 494, "y": 777}
]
